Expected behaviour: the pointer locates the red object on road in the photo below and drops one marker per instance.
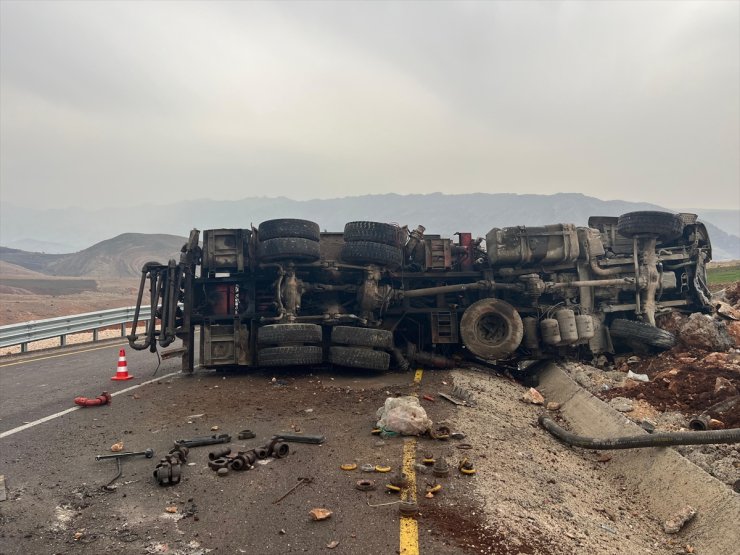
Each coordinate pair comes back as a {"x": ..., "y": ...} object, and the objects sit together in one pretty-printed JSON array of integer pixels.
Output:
[
  {"x": 429, "y": 398},
  {"x": 122, "y": 371},
  {"x": 102, "y": 399}
]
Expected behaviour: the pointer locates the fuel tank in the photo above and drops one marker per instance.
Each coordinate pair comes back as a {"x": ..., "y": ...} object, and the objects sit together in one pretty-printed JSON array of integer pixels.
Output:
[{"x": 526, "y": 246}]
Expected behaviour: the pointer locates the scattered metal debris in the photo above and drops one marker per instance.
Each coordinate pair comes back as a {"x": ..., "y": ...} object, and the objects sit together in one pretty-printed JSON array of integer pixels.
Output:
[
  {"x": 247, "y": 434},
  {"x": 169, "y": 469},
  {"x": 365, "y": 485},
  {"x": 204, "y": 440},
  {"x": 441, "y": 469},
  {"x": 148, "y": 453},
  {"x": 301, "y": 482}
]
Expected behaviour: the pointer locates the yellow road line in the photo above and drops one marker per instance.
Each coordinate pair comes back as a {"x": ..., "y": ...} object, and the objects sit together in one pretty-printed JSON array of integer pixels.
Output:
[
  {"x": 418, "y": 375},
  {"x": 409, "y": 534},
  {"x": 63, "y": 354}
]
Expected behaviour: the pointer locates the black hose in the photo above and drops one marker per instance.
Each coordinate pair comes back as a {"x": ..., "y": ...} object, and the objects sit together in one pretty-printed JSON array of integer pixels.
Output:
[{"x": 664, "y": 439}]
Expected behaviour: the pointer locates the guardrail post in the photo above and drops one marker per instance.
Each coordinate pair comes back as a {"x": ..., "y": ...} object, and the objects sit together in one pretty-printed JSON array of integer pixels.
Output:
[
  {"x": 95, "y": 334},
  {"x": 123, "y": 329},
  {"x": 62, "y": 340},
  {"x": 24, "y": 347}
]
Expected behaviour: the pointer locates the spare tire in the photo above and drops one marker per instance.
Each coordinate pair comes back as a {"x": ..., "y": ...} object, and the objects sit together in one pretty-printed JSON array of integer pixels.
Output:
[
  {"x": 362, "y": 337},
  {"x": 491, "y": 329},
  {"x": 289, "y": 248},
  {"x": 277, "y": 334},
  {"x": 375, "y": 232},
  {"x": 355, "y": 357},
  {"x": 366, "y": 252},
  {"x": 289, "y": 227},
  {"x": 665, "y": 225},
  {"x": 642, "y": 333}
]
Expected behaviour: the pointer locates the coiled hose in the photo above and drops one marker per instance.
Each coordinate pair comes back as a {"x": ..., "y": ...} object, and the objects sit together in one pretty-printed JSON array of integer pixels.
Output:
[{"x": 663, "y": 439}]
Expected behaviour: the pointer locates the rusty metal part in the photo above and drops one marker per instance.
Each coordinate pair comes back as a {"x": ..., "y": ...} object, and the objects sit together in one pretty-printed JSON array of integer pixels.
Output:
[
  {"x": 247, "y": 434},
  {"x": 702, "y": 421},
  {"x": 300, "y": 438},
  {"x": 215, "y": 464},
  {"x": 442, "y": 433},
  {"x": 249, "y": 456},
  {"x": 301, "y": 482},
  {"x": 466, "y": 467},
  {"x": 148, "y": 453},
  {"x": 280, "y": 450},
  {"x": 400, "y": 480},
  {"x": 457, "y": 435},
  {"x": 464, "y": 446},
  {"x": 238, "y": 463},
  {"x": 408, "y": 508},
  {"x": 109, "y": 486},
  {"x": 204, "y": 440},
  {"x": 262, "y": 452},
  {"x": 169, "y": 469},
  {"x": 428, "y": 459},
  {"x": 365, "y": 485},
  {"x": 380, "y": 468},
  {"x": 441, "y": 469},
  {"x": 350, "y": 466},
  {"x": 180, "y": 452},
  {"x": 218, "y": 453}
]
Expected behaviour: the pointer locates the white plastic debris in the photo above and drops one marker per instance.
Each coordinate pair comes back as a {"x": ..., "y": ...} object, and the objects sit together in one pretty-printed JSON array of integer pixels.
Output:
[{"x": 404, "y": 416}]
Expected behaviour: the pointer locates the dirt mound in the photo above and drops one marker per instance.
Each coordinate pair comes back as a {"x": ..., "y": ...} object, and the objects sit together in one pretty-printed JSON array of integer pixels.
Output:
[{"x": 8, "y": 269}]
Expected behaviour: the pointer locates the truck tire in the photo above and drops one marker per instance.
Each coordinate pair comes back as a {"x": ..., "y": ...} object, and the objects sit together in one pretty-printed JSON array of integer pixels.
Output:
[
  {"x": 367, "y": 252},
  {"x": 278, "y": 334},
  {"x": 289, "y": 227},
  {"x": 491, "y": 329},
  {"x": 289, "y": 248},
  {"x": 642, "y": 333},
  {"x": 362, "y": 337},
  {"x": 665, "y": 225},
  {"x": 290, "y": 355},
  {"x": 375, "y": 232},
  {"x": 356, "y": 357}
]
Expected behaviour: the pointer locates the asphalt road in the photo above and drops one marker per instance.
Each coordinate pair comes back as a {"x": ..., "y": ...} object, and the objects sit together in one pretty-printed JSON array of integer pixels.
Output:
[{"x": 54, "y": 481}]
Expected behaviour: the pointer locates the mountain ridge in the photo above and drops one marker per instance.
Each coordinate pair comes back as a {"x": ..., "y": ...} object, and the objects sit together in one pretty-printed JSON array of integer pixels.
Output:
[{"x": 440, "y": 213}]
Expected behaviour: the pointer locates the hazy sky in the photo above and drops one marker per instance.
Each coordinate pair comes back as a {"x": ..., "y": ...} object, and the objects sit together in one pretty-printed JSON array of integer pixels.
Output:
[{"x": 106, "y": 103}]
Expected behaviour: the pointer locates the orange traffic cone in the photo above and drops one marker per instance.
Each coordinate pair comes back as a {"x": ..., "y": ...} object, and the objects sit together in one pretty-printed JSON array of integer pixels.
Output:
[{"x": 122, "y": 371}]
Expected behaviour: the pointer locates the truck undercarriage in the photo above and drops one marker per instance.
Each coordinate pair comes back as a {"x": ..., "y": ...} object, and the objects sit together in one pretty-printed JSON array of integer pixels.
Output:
[{"x": 379, "y": 296}]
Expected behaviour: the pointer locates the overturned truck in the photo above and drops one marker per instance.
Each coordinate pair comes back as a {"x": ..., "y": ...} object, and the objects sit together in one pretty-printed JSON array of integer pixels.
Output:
[{"x": 379, "y": 296}]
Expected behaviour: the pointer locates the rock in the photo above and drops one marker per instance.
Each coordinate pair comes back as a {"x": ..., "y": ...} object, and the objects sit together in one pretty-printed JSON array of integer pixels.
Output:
[
  {"x": 733, "y": 328},
  {"x": 117, "y": 447},
  {"x": 583, "y": 380},
  {"x": 638, "y": 377},
  {"x": 622, "y": 404},
  {"x": 171, "y": 509},
  {"x": 222, "y": 471},
  {"x": 332, "y": 544},
  {"x": 633, "y": 360},
  {"x": 723, "y": 384},
  {"x": 705, "y": 333},
  {"x": 552, "y": 405},
  {"x": 674, "y": 524},
  {"x": 715, "y": 424},
  {"x": 647, "y": 425},
  {"x": 671, "y": 321},
  {"x": 320, "y": 514},
  {"x": 724, "y": 309},
  {"x": 533, "y": 396}
]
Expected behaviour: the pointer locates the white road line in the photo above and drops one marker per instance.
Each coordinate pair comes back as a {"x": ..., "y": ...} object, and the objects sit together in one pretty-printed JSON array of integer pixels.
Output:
[{"x": 72, "y": 409}]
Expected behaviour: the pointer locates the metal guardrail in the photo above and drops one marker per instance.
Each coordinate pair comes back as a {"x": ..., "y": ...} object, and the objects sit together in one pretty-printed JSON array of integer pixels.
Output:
[{"x": 27, "y": 332}]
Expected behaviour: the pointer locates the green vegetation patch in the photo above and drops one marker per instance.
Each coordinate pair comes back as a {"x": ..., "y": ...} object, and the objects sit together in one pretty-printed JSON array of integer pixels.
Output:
[
  {"x": 723, "y": 274},
  {"x": 52, "y": 286}
]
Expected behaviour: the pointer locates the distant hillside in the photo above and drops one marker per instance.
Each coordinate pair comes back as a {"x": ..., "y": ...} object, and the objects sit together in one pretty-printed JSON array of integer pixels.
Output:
[
  {"x": 122, "y": 256},
  {"x": 440, "y": 213}
]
